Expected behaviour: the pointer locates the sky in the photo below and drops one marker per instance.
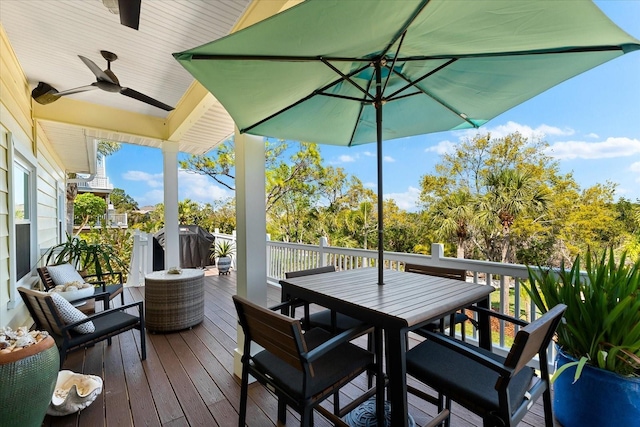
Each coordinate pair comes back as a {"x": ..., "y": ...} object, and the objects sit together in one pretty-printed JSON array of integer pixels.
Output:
[{"x": 592, "y": 123}]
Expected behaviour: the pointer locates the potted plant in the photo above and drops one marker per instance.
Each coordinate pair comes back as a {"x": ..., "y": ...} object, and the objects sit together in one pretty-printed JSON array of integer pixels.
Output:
[
  {"x": 597, "y": 381},
  {"x": 223, "y": 252},
  {"x": 29, "y": 363},
  {"x": 88, "y": 258}
]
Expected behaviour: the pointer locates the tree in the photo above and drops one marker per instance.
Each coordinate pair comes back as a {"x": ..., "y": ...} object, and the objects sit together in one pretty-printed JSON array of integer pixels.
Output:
[
  {"x": 105, "y": 148},
  {"x": 89, "y": 208},
  {"x": 510, "y": 195},
  {"x": 458, "y": 197},
  {"x": 122, "y": 202}
]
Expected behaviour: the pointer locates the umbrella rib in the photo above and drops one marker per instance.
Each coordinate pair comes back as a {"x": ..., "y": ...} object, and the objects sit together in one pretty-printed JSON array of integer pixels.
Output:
[
  {"x": 435, "y": 98},
  {"x": 406, "y": 25},
  {"x": 300, "y": 101},
  {"x": 393, "y": 64},
  {"x": 355, "y": 126},
  {"x": 348, "y": 77},
  {"x": 603, "y": 48},
  {"x": 415, "y": 82}
]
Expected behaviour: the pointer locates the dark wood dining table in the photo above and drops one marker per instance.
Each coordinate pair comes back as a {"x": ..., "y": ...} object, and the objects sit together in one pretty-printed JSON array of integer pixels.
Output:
[{"x": 404, "y": 302}]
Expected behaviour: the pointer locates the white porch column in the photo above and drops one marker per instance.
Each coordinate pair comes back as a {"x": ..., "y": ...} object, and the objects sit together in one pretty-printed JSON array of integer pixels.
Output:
[
  {"x": 251, "y": 225},
  {"x": 170, "y": 173}
]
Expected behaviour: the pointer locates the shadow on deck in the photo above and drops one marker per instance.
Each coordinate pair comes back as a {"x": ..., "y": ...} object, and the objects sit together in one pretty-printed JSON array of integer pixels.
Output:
[{"x": 187, "y": 378}]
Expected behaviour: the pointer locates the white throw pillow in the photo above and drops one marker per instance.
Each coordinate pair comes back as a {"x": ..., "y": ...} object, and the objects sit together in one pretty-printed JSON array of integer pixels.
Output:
[
  {"x": 70, "y": 314},
  {"x": 63, "y": 274}
]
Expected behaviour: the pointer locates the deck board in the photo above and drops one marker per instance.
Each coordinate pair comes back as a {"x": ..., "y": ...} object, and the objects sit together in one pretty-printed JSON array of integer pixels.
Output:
[{"x": 187, "y": 378}]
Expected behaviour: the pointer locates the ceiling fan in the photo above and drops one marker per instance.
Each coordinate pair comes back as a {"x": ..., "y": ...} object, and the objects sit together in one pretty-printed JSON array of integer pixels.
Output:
[
  {"x": 129, "y": 11},
  {"x": 105, "y": 80}
]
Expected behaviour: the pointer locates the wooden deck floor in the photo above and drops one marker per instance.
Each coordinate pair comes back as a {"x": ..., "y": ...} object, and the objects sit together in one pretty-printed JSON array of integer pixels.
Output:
[{"x": 187, "y": 378}]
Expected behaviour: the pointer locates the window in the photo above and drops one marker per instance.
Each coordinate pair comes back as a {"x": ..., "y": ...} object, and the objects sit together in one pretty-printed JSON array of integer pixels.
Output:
[{"x": 23, "y": 201}]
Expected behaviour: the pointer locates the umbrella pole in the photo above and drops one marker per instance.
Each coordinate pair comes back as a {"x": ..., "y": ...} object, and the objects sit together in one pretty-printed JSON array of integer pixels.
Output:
[{"x": 378, "y": 105}]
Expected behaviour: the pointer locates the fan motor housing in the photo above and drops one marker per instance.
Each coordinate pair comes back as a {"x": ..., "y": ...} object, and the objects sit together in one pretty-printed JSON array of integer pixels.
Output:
[{"x": 44, "y": 93}]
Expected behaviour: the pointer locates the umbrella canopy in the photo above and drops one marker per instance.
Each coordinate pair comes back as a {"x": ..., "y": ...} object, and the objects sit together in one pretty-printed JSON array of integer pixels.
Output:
[{"x": 349, "y": 72}]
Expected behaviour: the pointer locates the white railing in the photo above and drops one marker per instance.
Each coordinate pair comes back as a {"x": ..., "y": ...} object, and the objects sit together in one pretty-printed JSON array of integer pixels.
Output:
[
  {"x": 508, "y": 298},
  {"x": 141, "y": 258},
  {"x": 96, "y": 183}
]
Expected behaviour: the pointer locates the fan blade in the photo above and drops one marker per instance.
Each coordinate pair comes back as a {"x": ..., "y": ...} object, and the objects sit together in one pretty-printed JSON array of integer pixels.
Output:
[
  {"x": 130, "y": 13},
  {"x": 144, "y": 98},
  {"x": 100, "y": 75},
  {"x": 92, "y": 86}
]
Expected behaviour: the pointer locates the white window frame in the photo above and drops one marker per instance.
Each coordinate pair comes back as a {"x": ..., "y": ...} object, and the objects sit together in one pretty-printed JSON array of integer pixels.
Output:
[{"x": 27, "y": 161}]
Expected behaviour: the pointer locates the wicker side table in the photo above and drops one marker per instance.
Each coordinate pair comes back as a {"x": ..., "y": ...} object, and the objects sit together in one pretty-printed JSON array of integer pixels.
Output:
[{"x": 174, "y": 301}]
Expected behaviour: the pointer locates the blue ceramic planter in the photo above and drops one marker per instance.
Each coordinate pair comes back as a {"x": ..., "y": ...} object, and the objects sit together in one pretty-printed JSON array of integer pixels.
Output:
[{"x": 599, "y": 398}]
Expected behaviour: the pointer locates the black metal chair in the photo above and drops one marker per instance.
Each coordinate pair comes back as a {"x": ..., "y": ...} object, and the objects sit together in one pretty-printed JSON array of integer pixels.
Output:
[
  {"x": 326, "y": 319},
  {"x": 114, "y": 286},
  {"x": 302, "y": 368},
  {"x": 501, "y": 390},
  {"x": 104, "y": 325},
  {"x": 458, "y": 318}
]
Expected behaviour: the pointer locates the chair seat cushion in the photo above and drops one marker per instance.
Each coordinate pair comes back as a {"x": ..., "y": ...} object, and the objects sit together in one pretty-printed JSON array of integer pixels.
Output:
[
  {"x": 322, "y": 319},
  {"x": 69, "y": 314},
  {"x": 455, "y": 375},
  {"x": 339, "y": 363},
  {"x": 63, "y": 274},
  {"x": 104, "y": 325}
]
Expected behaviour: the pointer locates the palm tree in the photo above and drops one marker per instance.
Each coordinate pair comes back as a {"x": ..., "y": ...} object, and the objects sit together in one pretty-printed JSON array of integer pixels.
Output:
[
  {"x": 511, "y": 194},
  {"x": 452, "y": 216}
]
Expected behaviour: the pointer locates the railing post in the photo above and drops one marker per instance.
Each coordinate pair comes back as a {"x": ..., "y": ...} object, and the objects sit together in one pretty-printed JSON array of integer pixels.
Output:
[
  {"x": 148, "y": 266},
  {"x": 134, "y": 268},
  {"x": 269, "y": 265},
  {"x": 323, "y": 254},
  {"x": 437, "y": 252}
]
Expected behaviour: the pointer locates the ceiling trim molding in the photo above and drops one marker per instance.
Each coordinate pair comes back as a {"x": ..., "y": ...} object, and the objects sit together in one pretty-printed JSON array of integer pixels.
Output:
[{"x": 100, "y": 117}]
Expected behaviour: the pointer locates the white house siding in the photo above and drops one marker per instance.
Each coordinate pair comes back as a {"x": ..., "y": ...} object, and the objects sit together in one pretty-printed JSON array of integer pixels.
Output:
[
  {"x": 50, "y": 180},
  {"x": 4, "y": 226},
  {"x": 15, "y": 119}
]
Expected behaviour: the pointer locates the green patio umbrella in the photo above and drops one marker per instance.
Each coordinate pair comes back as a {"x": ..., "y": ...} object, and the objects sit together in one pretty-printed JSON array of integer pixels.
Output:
[{"x": 350, "y": 72}]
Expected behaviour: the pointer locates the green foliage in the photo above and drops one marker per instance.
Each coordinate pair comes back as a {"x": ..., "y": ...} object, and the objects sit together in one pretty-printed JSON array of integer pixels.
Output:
[
  {"x": 122, "y": 202},
  {"x": 223, "y": 248},
  {"x": 88, "y": 209},
  {"x": 94, "y": 257},
  {"x": 602, "y": 320}
]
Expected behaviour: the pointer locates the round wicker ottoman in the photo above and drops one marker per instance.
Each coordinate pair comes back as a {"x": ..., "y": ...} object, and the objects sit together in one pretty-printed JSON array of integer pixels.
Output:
[{"x": 174, "y": 301}]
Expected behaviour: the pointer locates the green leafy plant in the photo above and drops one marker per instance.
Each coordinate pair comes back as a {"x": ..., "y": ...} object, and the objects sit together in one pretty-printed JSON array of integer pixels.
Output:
[
  {"x": 601, "y": 325},
  {"x": 92, "y": 258},
  {"x": 223, "y": 248}
]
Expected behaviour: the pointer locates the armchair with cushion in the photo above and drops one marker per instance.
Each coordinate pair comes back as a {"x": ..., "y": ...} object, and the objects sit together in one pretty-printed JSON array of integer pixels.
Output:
[
  {"x": 302, "y": 369},
  {"x": 499, "y": 389},
  {"x": 72, "y": 329},
  {"x": 54, "y": 275}
]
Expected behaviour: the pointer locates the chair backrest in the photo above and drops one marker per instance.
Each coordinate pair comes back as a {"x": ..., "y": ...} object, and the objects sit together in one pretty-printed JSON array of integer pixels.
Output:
[
  {"x": 42, "y": 310},
  {"x": 450, "y": 273},
  {"x": 278, "y": 334},
  {"x": 310, "y": 271},
  {"x": 534, "y": 338},
  {"x": 47, "y": 281}
]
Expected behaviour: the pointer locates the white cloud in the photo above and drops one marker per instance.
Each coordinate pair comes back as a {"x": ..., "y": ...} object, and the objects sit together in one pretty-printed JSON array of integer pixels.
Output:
[
  {"x": 406, "y": 200},
  {"x": 200, "y": 188},
  {"x": 152, "y": 180},
  {"x": 151, "y": 198},
  {"x": 592, "y": 135},
  {"x": 345, "y": 158},
  {"x": 368, "y": 154},
  {"x": 610, "y": 148},
  {"x": 635, "y": 168},
  {"x": 443, "y": 147},
  {"x": 501, "y": 131},
  {"x": 370, "y": 184},
  {"x": 388, "y": 159}
]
